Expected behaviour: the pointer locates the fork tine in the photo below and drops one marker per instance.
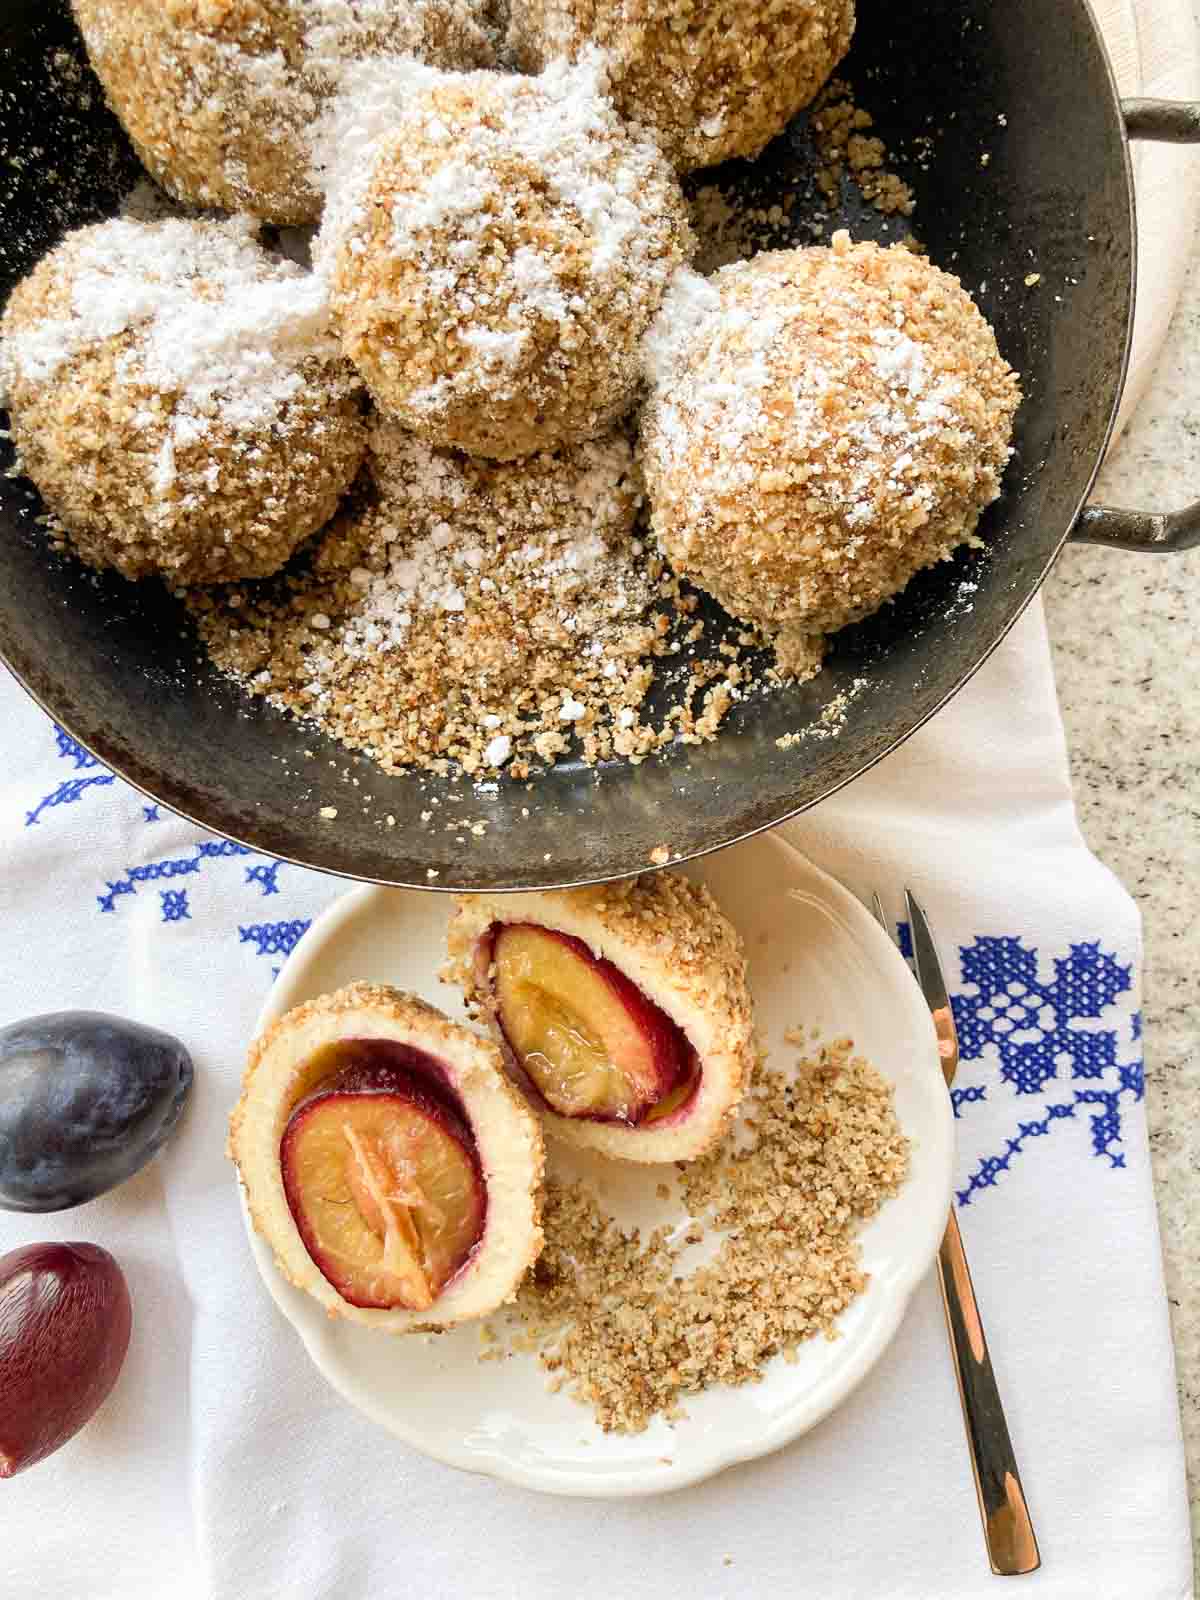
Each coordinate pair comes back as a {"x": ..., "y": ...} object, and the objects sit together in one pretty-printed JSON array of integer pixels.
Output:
[
  {"x": 925, "y": 957},
  {"x": 880, "y": 918}
]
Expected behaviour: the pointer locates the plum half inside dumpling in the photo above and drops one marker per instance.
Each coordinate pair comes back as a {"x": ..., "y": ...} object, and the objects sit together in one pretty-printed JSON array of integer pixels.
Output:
[
  {"x": 388, "y": 1160},
  {"x": 623, "y": 1011}
]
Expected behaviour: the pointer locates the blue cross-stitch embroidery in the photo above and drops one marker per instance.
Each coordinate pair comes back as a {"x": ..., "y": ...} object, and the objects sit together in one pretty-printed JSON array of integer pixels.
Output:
[
  {"x": 71, "y": 789},
  {"x": 66, "y": 794},
  {"x": 269, "y": 939},
  {"x": 214, "y": 849},
  {"x": 176, "y": 867},
  {"x": 71, "y": 750},
  {"x": 169, "y": 867},
  {"x": 1041, "y": 1036},
  {"x": 275, "y": 938},
  {"x": 973, "y": 1093},
  {"x": 265, "y": 873},
  {"x": 174, "y": 905}
]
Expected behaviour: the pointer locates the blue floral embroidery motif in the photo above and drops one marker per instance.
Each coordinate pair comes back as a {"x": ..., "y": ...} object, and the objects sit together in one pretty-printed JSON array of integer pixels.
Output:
[
  {"x": 1054, "y": 1045},
  {"x": 1043, "y": 1037},
  {"x": 71, "y": 789}
]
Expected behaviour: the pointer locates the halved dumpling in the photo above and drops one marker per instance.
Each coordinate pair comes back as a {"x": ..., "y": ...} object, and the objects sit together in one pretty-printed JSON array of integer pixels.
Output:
[
  {"x": 388, "y": 1161},
  {"x": 622, "y": 1011}
]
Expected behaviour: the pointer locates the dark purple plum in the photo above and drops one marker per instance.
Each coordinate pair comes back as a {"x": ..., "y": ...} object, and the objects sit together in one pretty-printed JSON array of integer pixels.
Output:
[
  {"x": 85, "y": 1101},
  {"x": 65, "y": 1318}
]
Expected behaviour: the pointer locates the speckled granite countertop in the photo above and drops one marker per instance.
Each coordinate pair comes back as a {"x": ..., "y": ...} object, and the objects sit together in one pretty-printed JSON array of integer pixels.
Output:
[{"x": 1124, "y": 631}]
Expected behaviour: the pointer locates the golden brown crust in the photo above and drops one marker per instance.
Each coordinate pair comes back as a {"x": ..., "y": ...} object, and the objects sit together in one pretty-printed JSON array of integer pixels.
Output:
[
  {"x": 708, "y": 81},
  {"x": 670, "y": 937},
  {"x": 217, "y": 95},
  {"x": 507, "y": 1136},
  {"x": 494, "y": 280},
  {"x": 837, "y": 419},
  {"x": 148, "y": 479}
]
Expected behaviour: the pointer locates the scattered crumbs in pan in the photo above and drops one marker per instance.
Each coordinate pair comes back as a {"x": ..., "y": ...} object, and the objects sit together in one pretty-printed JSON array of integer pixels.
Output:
[
  {"x": 691, "y": 682},
  {"x": 613, "y": 1323},
  {"x": 736, "y": 215},
  {"x": 832, "y": 720},
  {"x": 498, "y": 616},
  {"x": 842, "y": 133}
]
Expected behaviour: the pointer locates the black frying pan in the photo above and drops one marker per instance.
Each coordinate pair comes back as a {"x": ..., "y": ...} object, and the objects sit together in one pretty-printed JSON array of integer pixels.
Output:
[{"x": 1024, "y": 82}]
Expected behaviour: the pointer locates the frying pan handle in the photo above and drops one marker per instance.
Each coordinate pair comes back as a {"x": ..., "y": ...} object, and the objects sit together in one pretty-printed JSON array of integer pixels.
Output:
[
  {"x": 1148, "y": 532},
  {"x": 1164, "y": 121}
]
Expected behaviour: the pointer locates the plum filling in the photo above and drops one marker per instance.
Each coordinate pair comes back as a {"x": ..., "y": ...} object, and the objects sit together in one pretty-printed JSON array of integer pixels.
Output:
[
  {"x": 583, "y": 1035},
  {"x": 382, "y": 1175}
]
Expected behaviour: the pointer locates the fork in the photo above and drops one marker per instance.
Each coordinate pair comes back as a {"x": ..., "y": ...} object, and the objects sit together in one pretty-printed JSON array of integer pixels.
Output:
[{"x": 1007, "y": 1529}]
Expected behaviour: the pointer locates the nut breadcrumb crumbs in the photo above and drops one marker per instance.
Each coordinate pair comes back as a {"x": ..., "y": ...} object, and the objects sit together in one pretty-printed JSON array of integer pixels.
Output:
[
  {"x": 841, "y": 131},
  {"x": 510, "y": 248},
  {"x": 755, "y": 214},
  {"x": 707, "y": 81},
  {"x": 614, "y": 1325},
  {"x": 452, "y": 617},
  {"x": 218, "y": 95},
  {"x": 824, "y": 423},
  {"x": 179, "y": 399}
]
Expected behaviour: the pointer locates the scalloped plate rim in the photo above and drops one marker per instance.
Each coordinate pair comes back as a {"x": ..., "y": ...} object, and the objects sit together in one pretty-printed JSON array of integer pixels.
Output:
[{"x": 888, "y": 1294}]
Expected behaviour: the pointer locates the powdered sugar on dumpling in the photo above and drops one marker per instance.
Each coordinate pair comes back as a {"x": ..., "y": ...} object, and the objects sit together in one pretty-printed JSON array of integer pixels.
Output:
[{"x": 497, "y": 247}]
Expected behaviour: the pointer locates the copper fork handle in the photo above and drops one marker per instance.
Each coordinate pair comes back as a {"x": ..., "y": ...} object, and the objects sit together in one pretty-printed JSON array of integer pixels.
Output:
[{"x": 1007, "y": 1529}]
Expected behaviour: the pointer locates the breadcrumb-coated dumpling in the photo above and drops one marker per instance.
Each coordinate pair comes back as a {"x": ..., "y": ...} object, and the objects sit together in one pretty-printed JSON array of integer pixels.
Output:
[
  {"x": 179, "y": 399},
  {"x": 371, "y": 1202},
  {"x": 494, "y": 275},
  {"x": 825, "y": 423},
  {"x": 646, "y": 959},
  {"x": 218, "y": 95},
  {"x": 709, "y": 81}
]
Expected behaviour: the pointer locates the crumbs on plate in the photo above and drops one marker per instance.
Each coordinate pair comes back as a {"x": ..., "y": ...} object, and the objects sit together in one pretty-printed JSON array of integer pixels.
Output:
[{"x": 613, "y": 1322}]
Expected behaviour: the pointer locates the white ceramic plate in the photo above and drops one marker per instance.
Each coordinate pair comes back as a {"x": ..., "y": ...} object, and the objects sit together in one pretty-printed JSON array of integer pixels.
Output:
[{"x": 816, "y": 959}]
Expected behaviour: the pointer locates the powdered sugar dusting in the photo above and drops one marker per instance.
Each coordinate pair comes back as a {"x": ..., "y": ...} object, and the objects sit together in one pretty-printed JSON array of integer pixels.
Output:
[
  {"x": 179, "y": 398},
  {"x": 688, "y": 303},
  {"x": 837, "y": 423},
  {"x": 344, "y": 141},
  {"x": 214, "y": 323},
  {"x": 900, "y": 361},
  {"x": 220, "y": 98},
  {"x": 528, "y": 234},
  {"x": 434, "y": 545},
  {"x": 495, "y": 615}
]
